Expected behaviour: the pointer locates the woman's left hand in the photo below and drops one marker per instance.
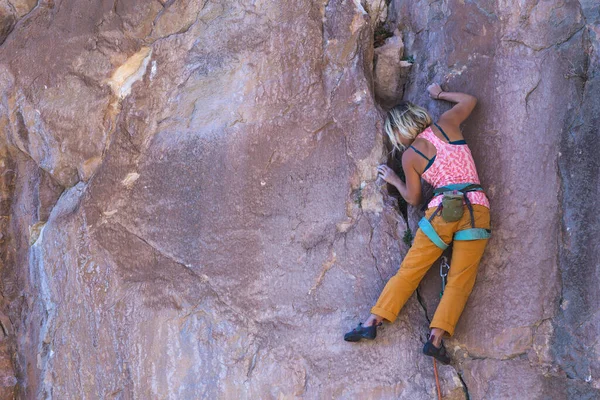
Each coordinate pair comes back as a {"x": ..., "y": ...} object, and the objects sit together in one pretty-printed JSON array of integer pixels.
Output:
[
  {"x": 387, "y": 174},
  {"x": 434, "y": 91}
]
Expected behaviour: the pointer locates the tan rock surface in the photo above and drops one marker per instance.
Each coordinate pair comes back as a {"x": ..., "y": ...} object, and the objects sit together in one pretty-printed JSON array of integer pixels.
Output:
[{"x": 200, "y": 177}]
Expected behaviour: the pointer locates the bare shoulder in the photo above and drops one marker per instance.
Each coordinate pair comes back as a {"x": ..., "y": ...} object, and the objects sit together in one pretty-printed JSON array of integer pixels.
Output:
[
  {"x": 408, "y": 154},
  {"x": 421, "y": 143},
  {"x": 408, "y": 158},
  {"x": 450, "y": 128}
]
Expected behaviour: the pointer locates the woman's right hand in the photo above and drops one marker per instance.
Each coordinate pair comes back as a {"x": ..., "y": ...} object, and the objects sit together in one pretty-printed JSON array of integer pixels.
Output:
[
  {"x": 387, "y": 174},
  {"x": 434, "y": 90}
]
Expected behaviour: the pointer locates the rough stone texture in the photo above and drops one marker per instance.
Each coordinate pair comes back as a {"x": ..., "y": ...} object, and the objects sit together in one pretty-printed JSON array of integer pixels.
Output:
[
  {"x": 10, "y": 12},
  {"x": 575, "y": 344},
  {"x": 7, "y": 20},
  {"x": 8, "y": 379},
  {"x": 390, "y": 71},
  {"x": 377, "y": 10},
  {"x": 188, "y": 188},
  {"x": 516, "y": 57}
]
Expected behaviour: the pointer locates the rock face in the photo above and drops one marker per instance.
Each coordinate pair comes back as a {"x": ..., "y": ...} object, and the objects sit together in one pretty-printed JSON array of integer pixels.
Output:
[
  {"x": 390, "y": 71},
  {"x": 189, "y": 205}
]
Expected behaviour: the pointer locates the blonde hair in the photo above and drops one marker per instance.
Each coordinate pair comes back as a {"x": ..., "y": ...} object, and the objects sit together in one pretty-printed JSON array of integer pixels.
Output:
[{"x": 406, "y": 120}]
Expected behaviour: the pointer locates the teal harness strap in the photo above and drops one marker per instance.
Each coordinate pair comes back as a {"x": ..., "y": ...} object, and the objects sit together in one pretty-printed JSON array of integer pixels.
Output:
[
  {"x": 428, "y": 230},
  {"x": 473, "y": 234},
  {"x": 430, "y": 160},
  {"x": 456, "y": 142},
  {"x": 461, "y": 187}
]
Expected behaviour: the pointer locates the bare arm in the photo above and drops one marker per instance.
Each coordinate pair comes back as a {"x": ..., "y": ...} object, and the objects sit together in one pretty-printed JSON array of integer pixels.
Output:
[
  {"x": 411, "y": 190},
  {"x": 465, "y": 103},
  {"x": 412, "y": 193}
]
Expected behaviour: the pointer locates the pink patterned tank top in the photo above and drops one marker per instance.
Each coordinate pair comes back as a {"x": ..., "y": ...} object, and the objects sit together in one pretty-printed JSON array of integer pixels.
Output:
[{"x": 453, "y": 164}]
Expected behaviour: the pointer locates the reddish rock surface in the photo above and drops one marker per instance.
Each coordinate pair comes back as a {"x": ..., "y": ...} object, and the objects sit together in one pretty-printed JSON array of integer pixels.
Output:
[{"x": 190, "y": 208}]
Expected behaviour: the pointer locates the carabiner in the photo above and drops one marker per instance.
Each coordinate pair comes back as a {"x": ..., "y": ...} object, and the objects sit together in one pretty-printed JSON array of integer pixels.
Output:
[
  {"x": 444, "y": 266},
  {"x": 444, "y": 269}
]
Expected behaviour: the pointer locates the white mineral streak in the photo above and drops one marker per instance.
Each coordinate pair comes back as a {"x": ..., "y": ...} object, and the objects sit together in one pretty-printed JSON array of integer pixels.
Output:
[{"x": 130, "y": 72}]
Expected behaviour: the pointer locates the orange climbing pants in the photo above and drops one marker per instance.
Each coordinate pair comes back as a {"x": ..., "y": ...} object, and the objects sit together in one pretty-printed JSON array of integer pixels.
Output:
[{"x": 423, "y": 253}]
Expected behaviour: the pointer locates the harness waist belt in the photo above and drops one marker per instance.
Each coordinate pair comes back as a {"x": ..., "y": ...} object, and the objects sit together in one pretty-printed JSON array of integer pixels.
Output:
[
  {"x": 461, "y": 187},
  {"x": 466, "y": 234}
]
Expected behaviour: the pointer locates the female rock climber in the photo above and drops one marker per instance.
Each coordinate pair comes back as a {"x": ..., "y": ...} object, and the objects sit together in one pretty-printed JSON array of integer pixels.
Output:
[{"x": 439, "y": 154}]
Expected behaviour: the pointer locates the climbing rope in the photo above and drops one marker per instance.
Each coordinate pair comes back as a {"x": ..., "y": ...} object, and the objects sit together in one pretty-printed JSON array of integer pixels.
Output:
[
  {"x": 437, "y": 380},
  {"x": 444, "y": 268}
]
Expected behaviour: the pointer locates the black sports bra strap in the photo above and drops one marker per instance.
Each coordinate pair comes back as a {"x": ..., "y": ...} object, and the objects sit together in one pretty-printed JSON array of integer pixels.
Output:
[
  {"x": 443, "y": 133},
  {"x": 421, "y": 154}
]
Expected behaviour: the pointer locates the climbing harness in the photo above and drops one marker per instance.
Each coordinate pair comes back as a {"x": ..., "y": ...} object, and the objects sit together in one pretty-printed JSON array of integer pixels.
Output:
[{"x": 452, "y": 193}]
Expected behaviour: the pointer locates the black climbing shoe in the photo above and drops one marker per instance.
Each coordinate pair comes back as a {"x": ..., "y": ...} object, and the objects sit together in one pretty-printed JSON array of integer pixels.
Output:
[
  {"x": 361, "y": 332},
  {"x": 439, "y": 354}
]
